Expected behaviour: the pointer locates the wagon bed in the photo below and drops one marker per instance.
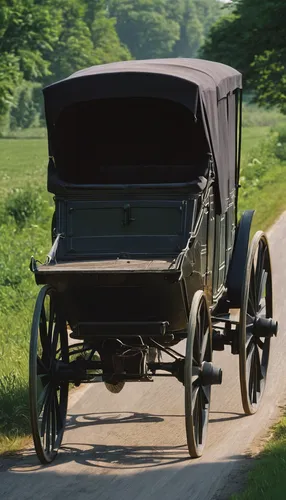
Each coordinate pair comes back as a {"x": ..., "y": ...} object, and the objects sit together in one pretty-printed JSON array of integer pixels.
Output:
[{"x": 117, "y": 265}]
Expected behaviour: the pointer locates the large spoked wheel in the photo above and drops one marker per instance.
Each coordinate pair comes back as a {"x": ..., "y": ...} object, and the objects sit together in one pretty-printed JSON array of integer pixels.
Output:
[
  {"x": 48, "y": 395},
  {"x": 256, "y": 326},
  {"x": 198, "y": 387}
]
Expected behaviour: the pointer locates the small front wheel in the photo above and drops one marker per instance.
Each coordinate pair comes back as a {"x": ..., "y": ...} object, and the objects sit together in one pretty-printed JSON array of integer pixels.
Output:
[{"x": 48, "y": 395}]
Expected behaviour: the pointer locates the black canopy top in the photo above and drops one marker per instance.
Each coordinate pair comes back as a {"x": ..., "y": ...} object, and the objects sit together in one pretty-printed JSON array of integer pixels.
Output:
[{"x": 192, "y": 82}]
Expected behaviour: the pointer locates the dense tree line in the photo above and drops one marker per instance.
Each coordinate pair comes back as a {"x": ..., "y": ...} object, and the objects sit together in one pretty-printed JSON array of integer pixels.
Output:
[
  {"x": 251, "y": 37},
  {"x": 45, "y": 40}
]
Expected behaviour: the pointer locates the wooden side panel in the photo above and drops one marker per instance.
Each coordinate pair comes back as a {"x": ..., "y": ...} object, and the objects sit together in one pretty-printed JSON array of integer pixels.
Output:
[{"x": 122, "y": 229}]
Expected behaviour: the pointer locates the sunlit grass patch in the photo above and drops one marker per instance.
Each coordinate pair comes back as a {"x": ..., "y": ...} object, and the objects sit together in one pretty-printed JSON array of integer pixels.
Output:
[{"x": 267, "y": 479}]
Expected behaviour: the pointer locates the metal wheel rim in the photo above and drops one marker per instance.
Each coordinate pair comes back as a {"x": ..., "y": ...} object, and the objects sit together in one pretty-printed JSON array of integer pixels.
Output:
[
  {"x": 257, "y": 297},
  {"x": 197, "y": 397},
  {"x": 48, "y": 401}
]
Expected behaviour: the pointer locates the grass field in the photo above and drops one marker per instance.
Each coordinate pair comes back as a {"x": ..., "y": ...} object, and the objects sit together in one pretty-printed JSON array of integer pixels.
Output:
[
  {"x": 25, "y": 230},
  {"x": 22, "y": 162},
  {"x": 267, "y": 480}
]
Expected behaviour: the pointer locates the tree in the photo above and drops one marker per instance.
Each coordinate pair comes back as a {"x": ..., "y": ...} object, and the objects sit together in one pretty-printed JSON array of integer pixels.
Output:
[
  {"x": 73, "y": 48},
  {"x": 106, "y": 42},
  {"x": 146, "y": 27},
  {"x": 251, "y": 37},
  {"x": 197, "y": 17},
  {"x": 26, "y": 31},
  {"x": 87, "y": 37}
]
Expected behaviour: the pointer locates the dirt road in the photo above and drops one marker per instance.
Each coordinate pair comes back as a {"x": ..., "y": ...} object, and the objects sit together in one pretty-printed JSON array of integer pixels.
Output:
[{"x": 133, "y": 446}]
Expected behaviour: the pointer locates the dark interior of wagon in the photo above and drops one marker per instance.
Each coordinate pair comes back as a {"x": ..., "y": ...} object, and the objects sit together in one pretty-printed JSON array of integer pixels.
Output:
[{"x": 132, "y": 140}]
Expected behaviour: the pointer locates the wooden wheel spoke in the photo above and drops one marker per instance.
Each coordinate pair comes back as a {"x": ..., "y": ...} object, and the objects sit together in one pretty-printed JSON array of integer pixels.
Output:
[
  {"x": 255, "y": 381},
  {"x": 195, "y": 374},
  {"x": 252, "y": 375},
  {"x": 261, "y": 289},
  {"x": 41, "y": 367},
  {"x": 55, "y": 340},
  {"x": 252, "y": 298},
  {"x": 58, "y": 415},
  {"x": 203, "y": 324},
  {"x": 204, "y": 346},
  {"x": 54, "y": 425},
  {"x": 249, "y": 339},
  {"x": 206, "y": 394},
  {"x": 195, "y": 396},
  {"x": 43, "y": 334},
  {"x": 260, "y": 343},
  {"x": 258, "y": 366},
  {"x": 260, "y": 264},
  {"x": 197, "y": 348},
  {"x": 42, "y": 400},
  {"x": 194, "y": 362},
  {"x": 48, "y": 426},
  {"x": 250, "y": 353},
  {"x": 51, "y": 320},
  {"x": 46, "y": 413},
  {"x": 200, "y": 418}
]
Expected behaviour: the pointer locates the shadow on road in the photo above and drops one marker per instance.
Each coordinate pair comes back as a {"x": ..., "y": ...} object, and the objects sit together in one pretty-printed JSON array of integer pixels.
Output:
[
  {"x": 115, "y": 456},
  {"x": 192, "y": 479},
  {"x": 111, "y": 418},
  {"x": 232, "y": 416}
]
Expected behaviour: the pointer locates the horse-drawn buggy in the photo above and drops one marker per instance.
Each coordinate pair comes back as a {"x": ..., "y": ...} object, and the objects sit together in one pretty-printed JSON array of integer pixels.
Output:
[{"x": 147, "y": 251}]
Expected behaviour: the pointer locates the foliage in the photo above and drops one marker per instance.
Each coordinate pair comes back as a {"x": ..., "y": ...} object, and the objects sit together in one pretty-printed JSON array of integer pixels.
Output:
[
  {"x": 25, "y": 111},
  {"x": 251, "y": 37},
  {"x": 160, "y": 28},
  {"x": 17, "y": 297},
  {"x": 280, "y": 150},
  {"x": 253, "y": 116},
  {"x": 45, "y": 40},
  {"x": 267, "y": 478},
  {"x": 145, "y": 27},
  {"x": 258, "y": 162},
  {"x": 197, "y": 17},
  {"x": 87, "y": 36},
  {"x": 27, "y": 29},
  {"x": 26, "y": 205}
]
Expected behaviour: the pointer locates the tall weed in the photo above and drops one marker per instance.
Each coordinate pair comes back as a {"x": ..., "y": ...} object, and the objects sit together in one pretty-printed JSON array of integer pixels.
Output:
[{"x": 20, "y": 237}]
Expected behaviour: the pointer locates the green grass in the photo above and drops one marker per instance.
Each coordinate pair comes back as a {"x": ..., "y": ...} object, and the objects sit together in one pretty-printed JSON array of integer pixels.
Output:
[
  {"x": 269, "y": 201},
  {"x": 30, "y": 133},
  {"x": 22, "y": 161},
  {"x": 267, "y": 479},
  {"x": 263, "y": 180},
  {"x": 250, "y": 137}
]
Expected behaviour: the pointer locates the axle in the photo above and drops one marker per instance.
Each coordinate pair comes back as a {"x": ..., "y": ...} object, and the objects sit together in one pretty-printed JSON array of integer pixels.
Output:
[{"x": 82, "y": 370}]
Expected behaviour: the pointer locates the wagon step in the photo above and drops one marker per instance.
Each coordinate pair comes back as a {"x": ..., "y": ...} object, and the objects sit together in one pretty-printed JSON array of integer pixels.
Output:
[{"x": 120, "y": 329}]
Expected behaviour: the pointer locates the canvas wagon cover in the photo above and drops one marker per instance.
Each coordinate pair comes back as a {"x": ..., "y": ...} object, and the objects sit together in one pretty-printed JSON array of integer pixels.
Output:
[{"x": 191, "y": 82}]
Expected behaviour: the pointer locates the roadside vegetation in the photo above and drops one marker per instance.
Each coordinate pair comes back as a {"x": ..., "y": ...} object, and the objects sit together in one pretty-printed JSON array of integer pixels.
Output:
[
  {"x": 25, "y": 217},
  {"x": 267, "y": 480},
  {"x": 263, "y": 165}
]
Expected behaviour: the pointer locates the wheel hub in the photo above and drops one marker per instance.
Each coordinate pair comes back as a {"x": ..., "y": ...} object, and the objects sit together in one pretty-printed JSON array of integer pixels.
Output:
[
  {"x": 264, "y": 327},
  {"x": 210, "y": 374}
]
